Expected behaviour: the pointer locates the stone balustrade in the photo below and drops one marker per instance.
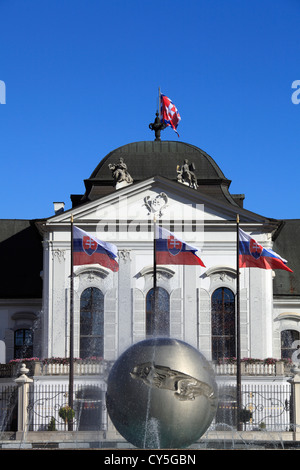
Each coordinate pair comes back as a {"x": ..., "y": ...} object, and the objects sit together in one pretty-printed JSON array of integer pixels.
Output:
[
  {"x": 253, "y": 368},
  {"x": 102, "y": 367},
  {"x": 37, "y": 368},
  {"x": 80, "y": 368}
]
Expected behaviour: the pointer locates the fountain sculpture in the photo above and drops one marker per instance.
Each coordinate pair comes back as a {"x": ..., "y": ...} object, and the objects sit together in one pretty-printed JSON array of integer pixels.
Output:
[{"x": 161, "y": 393}]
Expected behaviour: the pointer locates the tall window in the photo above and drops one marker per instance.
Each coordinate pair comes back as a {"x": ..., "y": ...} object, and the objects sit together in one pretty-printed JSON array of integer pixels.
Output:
[
  {"x": 158, "y": 313},
  {"x": 287, "y": 339},
  {"x": 223, "y": 324},
  {"x": 23, "y": 343},
  {"x": 91, "y": 323}
]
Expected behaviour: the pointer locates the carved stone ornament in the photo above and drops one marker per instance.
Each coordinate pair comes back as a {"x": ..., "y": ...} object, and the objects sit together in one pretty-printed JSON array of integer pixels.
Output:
[
  {"x": 223, "y": 277},
  {"x": 184, "y": 386},
  {"x": 90, "y": 277},
  {"x": 125, "y": 255},
  {"x": 156, "y": 204},
  {"x": 157, "y": 126},
  {"x": 120, "y": 174},
  {"x": 58, "y": 254},
  {"x": 186, "y": 175}
]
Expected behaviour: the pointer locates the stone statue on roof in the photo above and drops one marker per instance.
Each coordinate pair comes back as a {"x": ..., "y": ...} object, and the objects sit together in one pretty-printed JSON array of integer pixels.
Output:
[
  {"x": 120, "y": 173},
  {"x": 186, "y": 175}
]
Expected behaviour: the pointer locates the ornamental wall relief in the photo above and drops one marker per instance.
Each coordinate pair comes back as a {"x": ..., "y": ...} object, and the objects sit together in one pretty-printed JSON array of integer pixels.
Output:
[
  {"x": 221, "y": 276},
  {"x": 59, "y": 254},
  {"x": 156, "y": 204}
]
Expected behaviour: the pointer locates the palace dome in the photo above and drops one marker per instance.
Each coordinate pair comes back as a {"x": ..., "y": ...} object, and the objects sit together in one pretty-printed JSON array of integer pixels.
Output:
[{"x": 147, "y": 159}]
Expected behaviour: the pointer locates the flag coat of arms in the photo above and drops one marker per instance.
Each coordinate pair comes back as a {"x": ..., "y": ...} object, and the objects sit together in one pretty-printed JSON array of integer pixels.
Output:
[
  {"x": 254, "y": 255},
  {"x": 172, "y": 250},
  {"x": 87, "y": 249},
  {"x": 169, "y": 113}
]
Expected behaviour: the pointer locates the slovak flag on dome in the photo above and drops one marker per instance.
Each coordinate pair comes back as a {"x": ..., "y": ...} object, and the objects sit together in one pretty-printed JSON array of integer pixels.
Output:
[
  {"x": 87, "y": 249},
  {"x": 169, "y": 113},
  {"x": 253, "y": 255},
  {"x": 172, "y": 250}
]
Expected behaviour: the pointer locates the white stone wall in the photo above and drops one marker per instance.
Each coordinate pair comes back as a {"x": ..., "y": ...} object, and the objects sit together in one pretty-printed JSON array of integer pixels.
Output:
[{"x": 190, "y": 287}]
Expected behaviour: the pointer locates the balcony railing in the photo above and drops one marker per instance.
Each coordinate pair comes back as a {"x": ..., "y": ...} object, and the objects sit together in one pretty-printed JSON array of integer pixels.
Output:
[
  {"x": 80, "y": 368},
  {"x": 38, "y": 368},
  {"x": 254, "y": 368},
  {"x": 87, "y": 367}
]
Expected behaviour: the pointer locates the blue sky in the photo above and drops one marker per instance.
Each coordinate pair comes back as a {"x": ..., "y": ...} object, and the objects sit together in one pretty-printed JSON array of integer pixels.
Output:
[{"x": 82, "y": 78}]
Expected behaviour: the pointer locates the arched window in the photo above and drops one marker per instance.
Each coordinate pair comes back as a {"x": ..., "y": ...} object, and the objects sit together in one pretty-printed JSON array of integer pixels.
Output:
[
  {"x": 23, "y": 343},
  {"x": 223, "y": 323},
  {"x": 287, "y": 339},
  {"x": 158, "y": 319},
  {"x": 91, "y": 323}
]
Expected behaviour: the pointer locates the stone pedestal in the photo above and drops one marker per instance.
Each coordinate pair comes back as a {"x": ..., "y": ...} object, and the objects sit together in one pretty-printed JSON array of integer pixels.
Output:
[{"x": 23, "y": 383}]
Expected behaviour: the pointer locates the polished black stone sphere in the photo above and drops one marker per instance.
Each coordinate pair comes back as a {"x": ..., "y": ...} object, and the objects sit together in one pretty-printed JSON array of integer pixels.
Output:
[{"x": 161, "y": 393}]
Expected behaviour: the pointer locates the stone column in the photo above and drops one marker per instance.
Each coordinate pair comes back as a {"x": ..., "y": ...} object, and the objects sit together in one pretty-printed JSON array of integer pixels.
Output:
[
  {"x": 23, "y": 383},
  {"x": 124, "y": 302}
]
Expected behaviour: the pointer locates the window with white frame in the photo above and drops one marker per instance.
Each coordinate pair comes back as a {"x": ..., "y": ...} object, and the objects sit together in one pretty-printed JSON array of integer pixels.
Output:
[
  {"x": 223, "y": 324},
  {"x": 91, "y": 323},
  {"x": 157, "y": 312},
  {"x": 287, "y": 339},
  {"x": 23, "y": 343}
]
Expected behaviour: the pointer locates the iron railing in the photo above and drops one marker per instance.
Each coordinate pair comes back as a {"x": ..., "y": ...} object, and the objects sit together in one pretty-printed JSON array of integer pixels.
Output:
[
  {"x": 8, "y": 408},
  {"x": 264, "y": 407},
  {"x": 46, "y": 401}
]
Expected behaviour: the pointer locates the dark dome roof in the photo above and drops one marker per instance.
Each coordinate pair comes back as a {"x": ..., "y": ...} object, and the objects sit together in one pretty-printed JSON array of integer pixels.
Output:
[{"x": 147, "y": 159}]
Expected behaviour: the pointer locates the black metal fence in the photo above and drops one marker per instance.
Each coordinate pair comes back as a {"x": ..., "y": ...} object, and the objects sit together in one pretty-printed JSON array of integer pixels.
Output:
[
  {"x": 48, "y": 408},
  {"x": 265, "y": 407},
  {"x": 8, "y": 408}
]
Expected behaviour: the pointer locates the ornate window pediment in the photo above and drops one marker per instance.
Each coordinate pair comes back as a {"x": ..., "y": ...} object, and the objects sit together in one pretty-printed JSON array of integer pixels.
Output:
[
  {"x": 93, "y": 271},
  {"x": 221, "y": 276},
  {"x": 161, "y": 271},
  {"x": 24, "y": 316},
  {"x": 288, "y": 316},
  {"x": 226, "y": 270}
]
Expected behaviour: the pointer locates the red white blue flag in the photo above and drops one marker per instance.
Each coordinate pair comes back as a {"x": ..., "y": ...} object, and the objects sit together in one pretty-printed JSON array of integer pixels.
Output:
[
  {"x": 87, "y": 249},
  {"x": 169, "y": 113},
  {"x": 172, "y": 250},
  {"x": 253, "y": 255}
]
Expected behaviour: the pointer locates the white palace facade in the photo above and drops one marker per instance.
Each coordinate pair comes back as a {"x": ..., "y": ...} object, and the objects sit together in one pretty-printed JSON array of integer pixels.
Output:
[{"x": 185, "y": 189}]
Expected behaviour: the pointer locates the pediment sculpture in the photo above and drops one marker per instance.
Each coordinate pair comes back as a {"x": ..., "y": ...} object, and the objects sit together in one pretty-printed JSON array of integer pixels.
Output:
[
  {"x": 120, "y": 173},
  {"x": 156, "y": 204},
  {"x": 186, "y": 174}
]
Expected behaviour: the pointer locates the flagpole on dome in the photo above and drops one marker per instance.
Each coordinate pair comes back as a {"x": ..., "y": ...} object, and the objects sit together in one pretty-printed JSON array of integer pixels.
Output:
[
  {"x": 159, "y": 103},
  {"x": 238, "y": 334},
  {"x": 71, "y": 365}
]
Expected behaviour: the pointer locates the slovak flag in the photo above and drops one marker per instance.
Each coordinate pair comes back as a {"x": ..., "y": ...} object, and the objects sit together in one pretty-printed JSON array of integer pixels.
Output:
[
  {"x": 253, "y": 255},
  {"x": 87, "y": 249},
  {"x": 169, "y": 113},
  {"x": 172, "y": 250}
]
